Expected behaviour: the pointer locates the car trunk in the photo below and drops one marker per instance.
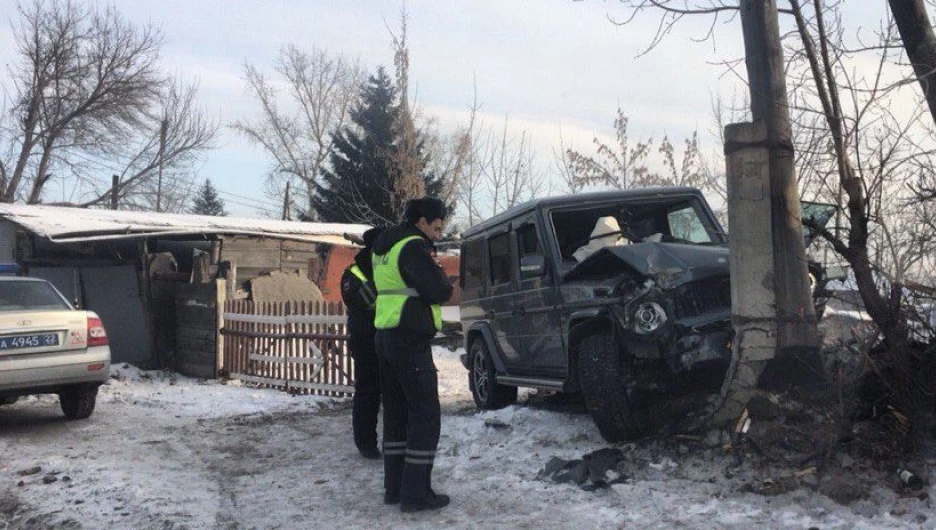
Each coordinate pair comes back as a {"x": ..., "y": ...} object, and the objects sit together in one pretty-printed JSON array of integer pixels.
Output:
[{"x": 42, "y": 331}]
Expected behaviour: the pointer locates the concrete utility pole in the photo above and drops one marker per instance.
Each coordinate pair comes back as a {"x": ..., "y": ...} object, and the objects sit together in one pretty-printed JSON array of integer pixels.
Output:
[{"x": 772, "y": 310}]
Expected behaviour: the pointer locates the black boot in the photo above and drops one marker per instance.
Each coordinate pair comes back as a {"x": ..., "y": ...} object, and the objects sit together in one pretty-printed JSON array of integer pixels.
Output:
[
  {"x": 391, "y": 498},
  {"x": 433, "y": 501},
  {"x": 370, "y": 453}
]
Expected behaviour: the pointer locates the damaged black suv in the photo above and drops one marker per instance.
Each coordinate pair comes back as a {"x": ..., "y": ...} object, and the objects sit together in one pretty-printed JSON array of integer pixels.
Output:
[{"x": 618, "y": 295}]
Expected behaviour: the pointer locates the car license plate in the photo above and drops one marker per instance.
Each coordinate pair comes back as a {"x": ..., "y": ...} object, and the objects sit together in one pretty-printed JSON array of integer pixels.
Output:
[{"x": 35, "y": 340}]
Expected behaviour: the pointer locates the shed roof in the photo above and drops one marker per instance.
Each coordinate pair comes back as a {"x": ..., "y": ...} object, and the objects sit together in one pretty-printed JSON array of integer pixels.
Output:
[{"x": 62, "y": 224}]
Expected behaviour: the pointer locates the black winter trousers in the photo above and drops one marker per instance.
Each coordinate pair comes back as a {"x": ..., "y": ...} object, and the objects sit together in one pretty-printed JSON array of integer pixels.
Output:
[
  {"x": 412, "y": 415},
  {"x": 366, "y": 404}
]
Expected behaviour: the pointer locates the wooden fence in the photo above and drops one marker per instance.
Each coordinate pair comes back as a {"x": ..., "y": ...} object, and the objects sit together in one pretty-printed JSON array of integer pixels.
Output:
[{"x": 300, "y": 347}]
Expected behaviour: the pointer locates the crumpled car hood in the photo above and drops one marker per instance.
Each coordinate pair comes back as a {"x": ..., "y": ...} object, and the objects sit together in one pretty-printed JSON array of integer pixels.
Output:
[{"x": 669, "y": 264}]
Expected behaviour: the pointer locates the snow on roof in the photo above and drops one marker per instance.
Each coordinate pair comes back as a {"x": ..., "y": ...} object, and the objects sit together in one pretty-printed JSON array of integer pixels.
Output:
[{"x": 67, "y": 225}]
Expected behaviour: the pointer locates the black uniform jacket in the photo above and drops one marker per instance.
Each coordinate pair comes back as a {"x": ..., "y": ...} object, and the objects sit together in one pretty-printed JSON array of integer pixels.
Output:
[
  {"x": 420, "y": 272},
  {"x": 360, "y": 308}
]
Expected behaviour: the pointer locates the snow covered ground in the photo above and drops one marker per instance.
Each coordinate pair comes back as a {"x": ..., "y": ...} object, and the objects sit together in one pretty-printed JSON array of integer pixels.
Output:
[{"x": 168, "y": 452}]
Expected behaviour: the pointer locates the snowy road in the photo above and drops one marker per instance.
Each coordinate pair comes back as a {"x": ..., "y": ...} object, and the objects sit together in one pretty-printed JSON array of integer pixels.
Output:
[{"x": 167, "y": 452}]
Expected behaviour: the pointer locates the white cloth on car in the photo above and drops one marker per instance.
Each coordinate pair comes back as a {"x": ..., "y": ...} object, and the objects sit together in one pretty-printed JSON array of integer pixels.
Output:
[{"x": 607, "y": 233}]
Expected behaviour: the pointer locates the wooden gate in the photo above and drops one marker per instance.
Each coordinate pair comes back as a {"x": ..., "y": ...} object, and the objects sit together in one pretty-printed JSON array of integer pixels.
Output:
[{"x": 300, "y": 347}]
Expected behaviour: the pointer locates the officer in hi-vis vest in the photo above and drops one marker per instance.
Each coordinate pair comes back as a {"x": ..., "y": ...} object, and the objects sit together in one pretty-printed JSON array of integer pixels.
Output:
[
  {"x": 360, "y": 295},
  {"x": 410, "y": 288}
]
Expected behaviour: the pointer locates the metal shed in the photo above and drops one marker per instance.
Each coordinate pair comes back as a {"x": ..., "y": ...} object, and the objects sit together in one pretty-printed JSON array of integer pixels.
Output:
[{"x": 136, "y": 269}]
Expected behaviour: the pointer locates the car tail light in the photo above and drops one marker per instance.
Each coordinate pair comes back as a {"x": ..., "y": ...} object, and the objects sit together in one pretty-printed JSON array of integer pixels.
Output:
[{"x": 96, "y": 334}]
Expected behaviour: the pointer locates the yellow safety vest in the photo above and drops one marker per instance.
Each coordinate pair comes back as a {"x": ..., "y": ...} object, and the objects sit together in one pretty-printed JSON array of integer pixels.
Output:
[
  {"x": 392, "y": 291},
  {"x": 367, "y": 294}
]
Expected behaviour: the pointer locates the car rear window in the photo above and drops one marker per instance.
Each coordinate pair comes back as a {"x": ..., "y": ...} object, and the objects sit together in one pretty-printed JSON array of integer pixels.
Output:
[{"x": 29, "y": 296}]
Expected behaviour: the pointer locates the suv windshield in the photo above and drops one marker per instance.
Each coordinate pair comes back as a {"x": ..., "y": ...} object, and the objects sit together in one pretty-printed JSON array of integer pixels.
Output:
[
  {"x": 29, "y": 296},
  {"x": 581, "y": 230}
]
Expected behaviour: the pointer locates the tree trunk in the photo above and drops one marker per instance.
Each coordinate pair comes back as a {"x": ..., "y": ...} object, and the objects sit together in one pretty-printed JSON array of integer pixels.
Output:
[
  {"x": 35, "y": 195},
  {"x": 920, "y": 44}
]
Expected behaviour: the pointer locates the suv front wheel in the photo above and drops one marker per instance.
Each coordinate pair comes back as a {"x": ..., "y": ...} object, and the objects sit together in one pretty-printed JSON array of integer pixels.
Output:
[
  {"x": 488, "y": 395},
  {"x": 78, "y": 402},
  {"x": 607, "y": 388}
]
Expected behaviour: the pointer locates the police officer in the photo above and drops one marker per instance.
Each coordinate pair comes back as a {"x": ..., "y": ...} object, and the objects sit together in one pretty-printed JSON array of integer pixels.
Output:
[
  {"x": 410, "y": 288},
  {"x": 359, "y": 295}
]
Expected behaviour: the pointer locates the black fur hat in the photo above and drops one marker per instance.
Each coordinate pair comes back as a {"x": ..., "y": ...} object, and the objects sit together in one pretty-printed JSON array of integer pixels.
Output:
[
  {"x": 431, "y": 208},
  {"x": 371, "y": 235}
]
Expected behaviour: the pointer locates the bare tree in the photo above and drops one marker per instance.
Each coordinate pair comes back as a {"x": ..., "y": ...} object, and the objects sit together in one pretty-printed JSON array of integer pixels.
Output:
[
  {"x": 83, "y": 92},
  {"x": 621, "y": 166},
  {"x": 456, "y": 160},
  {"x": 425, "y": 161},
  {"x": 509, "y": 170},
  {"x": 295, "y": 126},
  {"x": 499, "y": 172},
  {"x": 856, "y": 151},
  {"x": 468, "y": 180},
  {"x": 625, "y": 164},
  {"x": 188, "y": 132},
  {"x": 408, "y": 161}
]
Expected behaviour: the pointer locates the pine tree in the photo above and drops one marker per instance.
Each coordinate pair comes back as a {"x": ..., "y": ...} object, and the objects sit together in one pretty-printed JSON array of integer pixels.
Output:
[
  {"x": 207, "y": 202},
  {"x": 358, "y": 186}
]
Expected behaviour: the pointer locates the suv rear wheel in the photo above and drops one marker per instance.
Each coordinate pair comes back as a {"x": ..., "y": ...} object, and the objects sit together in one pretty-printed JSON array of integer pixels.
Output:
[
  {"x": 606, "y": 385},
  {"x": 78, "y": 402},
  {"x": 488, "y": 395}
]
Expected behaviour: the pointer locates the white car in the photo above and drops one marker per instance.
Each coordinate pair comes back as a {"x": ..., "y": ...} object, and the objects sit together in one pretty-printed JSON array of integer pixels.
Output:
[{"x": 49, "y": 347}]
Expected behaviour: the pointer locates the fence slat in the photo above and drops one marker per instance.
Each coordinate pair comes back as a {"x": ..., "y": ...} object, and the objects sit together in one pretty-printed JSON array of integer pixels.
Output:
[{"x": 271, "y": 345}]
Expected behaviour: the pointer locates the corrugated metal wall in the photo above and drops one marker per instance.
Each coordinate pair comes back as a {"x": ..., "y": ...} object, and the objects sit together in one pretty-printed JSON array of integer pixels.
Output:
[{"x": 113, "y": 292}]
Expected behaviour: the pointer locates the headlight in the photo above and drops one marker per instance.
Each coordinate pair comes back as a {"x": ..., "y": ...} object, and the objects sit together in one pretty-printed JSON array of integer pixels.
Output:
[{"x": 648, "y": 317}]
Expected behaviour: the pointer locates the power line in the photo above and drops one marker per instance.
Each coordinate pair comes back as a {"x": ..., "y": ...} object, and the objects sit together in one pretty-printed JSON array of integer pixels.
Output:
[
  {"x": 249, "y": 205},
  {"x": 253, "y": 200}
]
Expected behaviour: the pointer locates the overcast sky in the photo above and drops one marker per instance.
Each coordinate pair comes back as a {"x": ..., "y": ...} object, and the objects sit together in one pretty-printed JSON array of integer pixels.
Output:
[{"x": 547, "y": 65}]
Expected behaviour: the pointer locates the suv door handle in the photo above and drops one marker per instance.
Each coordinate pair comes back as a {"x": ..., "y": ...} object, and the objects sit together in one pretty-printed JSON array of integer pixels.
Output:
[
  {"x": 491, "y": 314},
  {"x": 520, "y": 311}
]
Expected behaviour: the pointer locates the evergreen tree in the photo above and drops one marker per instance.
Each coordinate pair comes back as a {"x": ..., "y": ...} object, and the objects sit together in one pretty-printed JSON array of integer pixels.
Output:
[
  {"x": 207, "y": 202},
  {"x": 358, "y": 186}
]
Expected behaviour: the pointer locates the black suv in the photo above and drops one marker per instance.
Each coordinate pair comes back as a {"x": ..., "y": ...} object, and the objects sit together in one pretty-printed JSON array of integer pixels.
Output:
[{"x": 618, "y": 295}]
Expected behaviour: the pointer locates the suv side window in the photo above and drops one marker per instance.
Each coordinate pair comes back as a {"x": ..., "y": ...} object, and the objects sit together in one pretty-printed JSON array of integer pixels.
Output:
[
  {"x": 499, "y": 253},
  {"x": 528, "y": 243},
  {"x": 686, "y": 224},
  {"x": 472, "y": 265}
]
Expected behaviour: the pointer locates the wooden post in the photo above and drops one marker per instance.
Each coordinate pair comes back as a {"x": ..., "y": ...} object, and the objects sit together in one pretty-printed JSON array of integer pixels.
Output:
[
  {"x": 115, "y": 183},
  {"x": 221, "y": 301}
]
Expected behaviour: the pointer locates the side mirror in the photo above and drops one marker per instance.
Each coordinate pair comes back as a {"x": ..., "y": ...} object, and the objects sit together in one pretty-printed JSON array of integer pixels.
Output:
[{"x": 532, "y": 266}]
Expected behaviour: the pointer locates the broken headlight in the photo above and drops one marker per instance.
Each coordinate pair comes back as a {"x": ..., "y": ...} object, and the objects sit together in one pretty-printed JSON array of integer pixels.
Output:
[{"x": 648, "y": 317}]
